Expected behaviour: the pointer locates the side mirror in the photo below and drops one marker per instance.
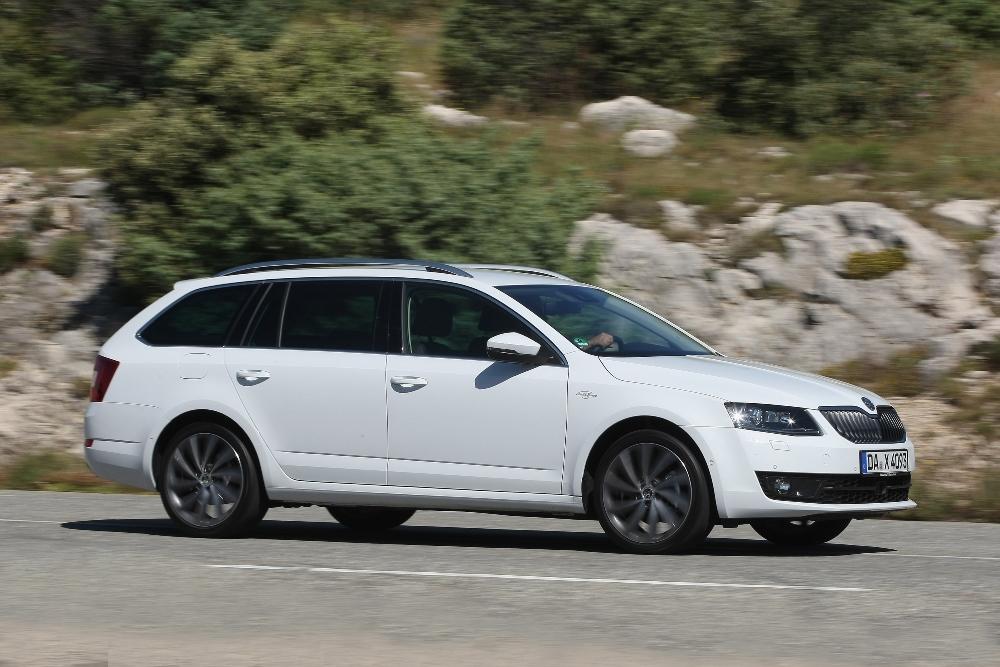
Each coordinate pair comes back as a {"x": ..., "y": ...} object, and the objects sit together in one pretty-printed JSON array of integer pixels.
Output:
[{"x": 512, "y": 346}]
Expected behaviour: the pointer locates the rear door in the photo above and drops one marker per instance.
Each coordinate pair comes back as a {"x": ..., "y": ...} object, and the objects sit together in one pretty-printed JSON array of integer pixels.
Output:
[
  {"x": 310, "y": 372},
  {"x": 458, "y": 419}
]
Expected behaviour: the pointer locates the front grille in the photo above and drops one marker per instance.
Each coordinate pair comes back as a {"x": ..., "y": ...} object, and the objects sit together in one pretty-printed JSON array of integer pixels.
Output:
[
  {"x": 865, "y": 429},
  {"x": 835, "y": 489}
]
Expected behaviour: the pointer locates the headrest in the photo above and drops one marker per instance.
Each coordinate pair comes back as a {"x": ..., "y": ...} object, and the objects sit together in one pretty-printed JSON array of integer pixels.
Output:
[{"x": 433, "y": 317}]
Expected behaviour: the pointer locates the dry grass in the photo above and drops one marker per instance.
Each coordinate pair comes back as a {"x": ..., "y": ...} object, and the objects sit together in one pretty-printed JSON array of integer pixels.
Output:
[
  {"x": 68, "y": 144},
  {"x": 55, "y": 471}
]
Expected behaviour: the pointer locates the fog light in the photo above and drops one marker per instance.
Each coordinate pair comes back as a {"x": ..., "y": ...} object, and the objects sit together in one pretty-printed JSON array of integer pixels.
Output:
[{"x": 782, "y": 486}]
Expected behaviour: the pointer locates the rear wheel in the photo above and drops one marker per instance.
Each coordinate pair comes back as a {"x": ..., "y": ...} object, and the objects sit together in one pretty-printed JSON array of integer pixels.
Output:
[
  {"x": 799, "y": 532},
  {"x": 209, "y": 482},
  {"x": 651, "y": 494},
  {"x": 371, "y": 519}
]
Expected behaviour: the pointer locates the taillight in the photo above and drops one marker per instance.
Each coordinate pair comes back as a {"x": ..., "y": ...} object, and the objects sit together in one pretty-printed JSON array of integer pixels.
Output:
[{"x": 104, "y": 370}]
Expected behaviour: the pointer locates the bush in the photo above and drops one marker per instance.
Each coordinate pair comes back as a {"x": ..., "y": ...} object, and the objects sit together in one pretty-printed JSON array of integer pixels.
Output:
[
  {"x": 42, "y": 219},
  {"x": 7, "y": 366},
  {"x": 872, "y": 265},
  {"x": 13, "y": 251},
  {"x": 535, "y": 54},
  {"x": 306, "y": 149},
  {"x": 897, "y": 376},
  {"x": 990, "y": 352},
  {"x": 812, "y": 66},
  {"x": 979, "y": 19},
  {"x": 36, "y": 82},
  {"x": 66, "y": 254},
  {"x": 417, "y": 194}
]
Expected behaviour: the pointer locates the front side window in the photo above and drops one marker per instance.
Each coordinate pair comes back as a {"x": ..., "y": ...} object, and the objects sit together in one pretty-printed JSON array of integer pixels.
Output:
[
  {"x": 201, "y": 319},
  {"x": 446, "y": 321},
  {"x": 603, "y": 324},
  {"x": 339, "y": 315}
]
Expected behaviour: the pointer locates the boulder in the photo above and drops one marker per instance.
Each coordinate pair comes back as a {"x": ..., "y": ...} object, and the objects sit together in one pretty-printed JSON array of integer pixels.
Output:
[
  {"x": 86, "y": 188},
  {"x": 649, "y": 143},
  {"x": 970, "y": 212},
  {"x": 631, "y": 112},
  {"x": 453, "y": 117},
  {"x": 678, "y": 216}
]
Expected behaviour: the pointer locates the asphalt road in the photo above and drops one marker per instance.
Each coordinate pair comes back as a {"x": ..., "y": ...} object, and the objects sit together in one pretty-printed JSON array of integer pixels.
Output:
[{"x": 102, "y": 579}]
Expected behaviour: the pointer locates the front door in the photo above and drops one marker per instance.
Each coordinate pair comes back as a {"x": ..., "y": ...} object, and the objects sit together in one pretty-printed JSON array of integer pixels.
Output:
[
  {"x": 458, "y": 420},
  {"x": 313, "y": 381}
]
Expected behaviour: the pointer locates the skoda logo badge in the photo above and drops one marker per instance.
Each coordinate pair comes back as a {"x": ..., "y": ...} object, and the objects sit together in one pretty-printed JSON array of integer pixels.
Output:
[{"x": 868, "y": 403}]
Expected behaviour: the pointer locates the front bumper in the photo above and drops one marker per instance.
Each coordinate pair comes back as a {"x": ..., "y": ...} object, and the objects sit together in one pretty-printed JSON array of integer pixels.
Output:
[{"x": 736, "y": 456}]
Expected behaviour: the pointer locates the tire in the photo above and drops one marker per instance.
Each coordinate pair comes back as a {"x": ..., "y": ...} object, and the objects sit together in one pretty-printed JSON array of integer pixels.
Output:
[
  {"x": 203, "y": 464},
  {"x": 799, "y": 532},
  {"x": 371, "y": 519},
  {"x": 651, "y": 494}
]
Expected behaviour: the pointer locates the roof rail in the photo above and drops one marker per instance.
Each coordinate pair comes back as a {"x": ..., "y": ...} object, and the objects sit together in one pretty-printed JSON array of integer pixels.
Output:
[
  {"x": 286, "y": 264},
  {"x": 514, "y": 269}
]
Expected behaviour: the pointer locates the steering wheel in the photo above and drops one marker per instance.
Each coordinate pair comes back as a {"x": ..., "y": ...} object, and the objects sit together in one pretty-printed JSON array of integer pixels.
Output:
[{"x": 618, "y": 345}]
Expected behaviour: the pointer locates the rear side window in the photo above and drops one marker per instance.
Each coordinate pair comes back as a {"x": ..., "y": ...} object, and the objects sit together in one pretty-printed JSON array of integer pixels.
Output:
[
  {"x": 264, "y": 327},
  {"x": 337, "y": 315},
  {"x": 201, "y": 319}
]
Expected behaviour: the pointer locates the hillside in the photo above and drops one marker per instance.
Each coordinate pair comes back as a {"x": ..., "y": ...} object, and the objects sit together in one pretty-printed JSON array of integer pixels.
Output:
[{"x": 867, "y": 250}]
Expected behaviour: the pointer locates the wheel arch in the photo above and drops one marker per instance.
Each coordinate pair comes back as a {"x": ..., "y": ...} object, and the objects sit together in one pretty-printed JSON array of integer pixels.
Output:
[
  {"x": 630, "y": 425},
  {"x": 193, "y": 417}
]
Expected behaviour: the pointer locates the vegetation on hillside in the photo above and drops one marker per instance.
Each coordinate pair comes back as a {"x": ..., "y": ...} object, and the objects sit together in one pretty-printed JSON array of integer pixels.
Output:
[
  {"x": 308, "y": 148},
  {"x": 797, "y": 66}
]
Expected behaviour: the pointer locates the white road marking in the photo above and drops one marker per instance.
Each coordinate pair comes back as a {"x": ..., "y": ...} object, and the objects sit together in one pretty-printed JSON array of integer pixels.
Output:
[
  {"x": 524, "y": 577},
  {"x": 28, "y": 521},
  {"x": 932, "y": 556}
]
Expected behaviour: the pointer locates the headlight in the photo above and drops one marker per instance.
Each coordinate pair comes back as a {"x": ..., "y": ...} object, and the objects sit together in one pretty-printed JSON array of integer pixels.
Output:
[{"x": 772, "y": 419}]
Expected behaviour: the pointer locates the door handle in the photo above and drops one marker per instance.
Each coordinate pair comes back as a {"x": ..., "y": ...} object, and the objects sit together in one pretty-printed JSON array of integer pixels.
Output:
[
  {"x": 408, "y": 381},
  {"x": 252, "y": 376}
]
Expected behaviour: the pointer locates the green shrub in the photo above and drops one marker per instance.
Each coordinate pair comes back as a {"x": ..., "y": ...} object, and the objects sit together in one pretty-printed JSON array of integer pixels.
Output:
[
  {"x": 897, "y": 376},
  {"x": 811, "y": 66},
  {"x": 13, "y": 251},
  {"x": 979, "y": 19},
  {"x": 307, "y": 149},
  {"x": 66, "y": 254},
  {"x": 7, "y": 366},
  {"x": 42, "y": 219},
  {"x": 538, "y": 53},
  {"x": 990, "y": 352},
  {"x": 871, "y": 265}
]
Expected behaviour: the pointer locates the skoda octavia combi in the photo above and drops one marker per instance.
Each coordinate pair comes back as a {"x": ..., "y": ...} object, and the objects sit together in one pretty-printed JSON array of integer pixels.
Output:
[{"x": 377, "y": 388}]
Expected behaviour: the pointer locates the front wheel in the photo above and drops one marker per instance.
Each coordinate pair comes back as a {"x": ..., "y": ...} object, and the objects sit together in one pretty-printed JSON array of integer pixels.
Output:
[
  {"x": 799, "y": 532},
  {"x": 652, "y": 494},
  {"x": 371, "y": 519}
]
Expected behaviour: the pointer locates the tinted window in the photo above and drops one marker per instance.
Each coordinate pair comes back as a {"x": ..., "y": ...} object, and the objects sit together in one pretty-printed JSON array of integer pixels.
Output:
[
  {"x": 201, "y": 319},
  {"x": 602, "y": 323},
  {"x": 263, "y": 331},
  {"x": 332, "y": 315},
  {"x": 450, "y": 322}
]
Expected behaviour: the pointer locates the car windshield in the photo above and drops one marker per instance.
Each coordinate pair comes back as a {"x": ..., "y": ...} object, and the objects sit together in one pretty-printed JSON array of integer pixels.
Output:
[{"x": 603, "y": 324}]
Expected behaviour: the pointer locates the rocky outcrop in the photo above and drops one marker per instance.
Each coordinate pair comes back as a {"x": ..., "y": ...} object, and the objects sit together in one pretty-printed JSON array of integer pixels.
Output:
[
  {"x": 798, "y": 307},
  {"x": 970, "y": 212},
  {"x": 49, "y": 322}
]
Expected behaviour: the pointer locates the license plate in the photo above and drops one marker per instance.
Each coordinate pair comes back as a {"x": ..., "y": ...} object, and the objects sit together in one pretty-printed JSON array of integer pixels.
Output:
[{"x": 885, "y": 462}]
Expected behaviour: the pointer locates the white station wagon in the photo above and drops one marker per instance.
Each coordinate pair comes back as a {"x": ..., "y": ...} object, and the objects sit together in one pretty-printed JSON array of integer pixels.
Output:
[{"x": 379, "y": 387}]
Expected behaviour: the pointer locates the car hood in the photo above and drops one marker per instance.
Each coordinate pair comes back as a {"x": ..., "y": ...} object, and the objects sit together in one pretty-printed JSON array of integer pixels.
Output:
[{"x": 738, "y": 380}]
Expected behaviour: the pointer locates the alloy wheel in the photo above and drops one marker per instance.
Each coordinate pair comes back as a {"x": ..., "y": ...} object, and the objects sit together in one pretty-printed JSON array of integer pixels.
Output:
[
  {"x": 647, "y": 492},
  {"x": 204, "y": 480}
]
